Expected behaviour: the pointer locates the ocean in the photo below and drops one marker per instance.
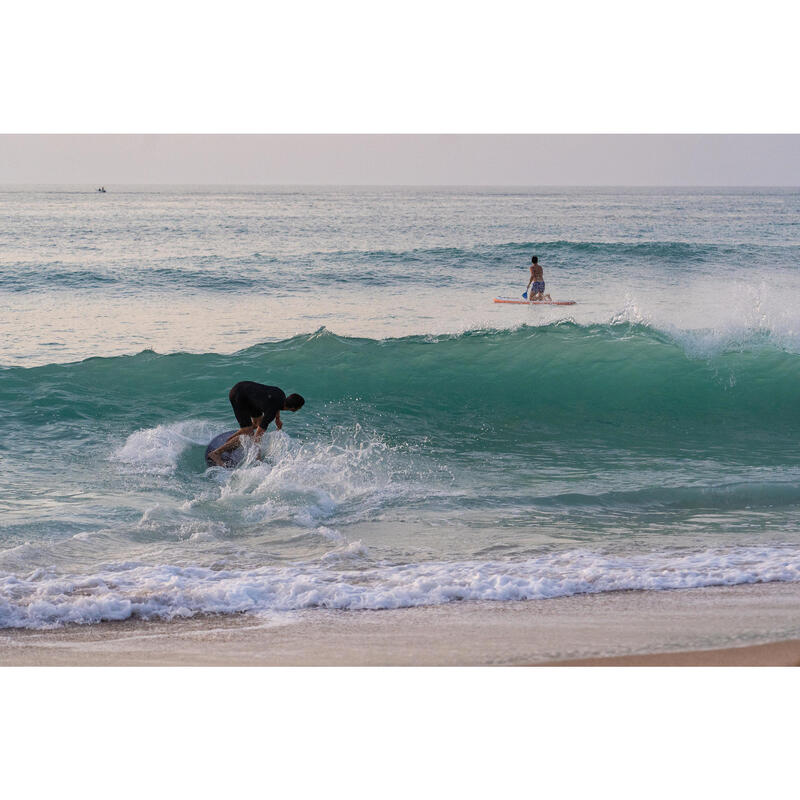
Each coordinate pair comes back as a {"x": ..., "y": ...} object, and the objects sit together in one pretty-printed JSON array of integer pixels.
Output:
[{"x": 450, "y": 449}]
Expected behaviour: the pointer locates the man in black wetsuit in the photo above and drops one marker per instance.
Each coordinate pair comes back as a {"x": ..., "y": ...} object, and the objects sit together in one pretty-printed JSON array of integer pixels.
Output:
[{"x": 255, "y": 406}]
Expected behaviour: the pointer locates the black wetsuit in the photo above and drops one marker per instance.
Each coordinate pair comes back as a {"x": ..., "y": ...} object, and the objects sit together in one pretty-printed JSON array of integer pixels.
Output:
[{"x": 251, "y": 400}]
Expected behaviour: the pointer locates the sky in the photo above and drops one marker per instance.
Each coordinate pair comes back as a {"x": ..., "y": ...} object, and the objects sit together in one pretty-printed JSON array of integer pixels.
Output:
[{"x": 407, "y": 159}]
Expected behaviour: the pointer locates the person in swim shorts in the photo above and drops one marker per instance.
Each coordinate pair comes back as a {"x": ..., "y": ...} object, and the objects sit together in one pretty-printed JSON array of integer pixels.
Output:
[
  {"x": 535, "y": 287},
  {"x": 255, "y": 406}
]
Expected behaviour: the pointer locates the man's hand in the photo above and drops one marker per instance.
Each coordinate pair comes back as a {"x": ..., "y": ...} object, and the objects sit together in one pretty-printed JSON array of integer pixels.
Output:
[{"x": 278, "y": 423}]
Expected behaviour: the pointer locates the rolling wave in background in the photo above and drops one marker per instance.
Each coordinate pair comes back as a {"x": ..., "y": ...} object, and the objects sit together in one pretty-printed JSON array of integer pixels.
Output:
[
  {"x": 434, "y": 266},
  {"x": 546, "y": 383}
]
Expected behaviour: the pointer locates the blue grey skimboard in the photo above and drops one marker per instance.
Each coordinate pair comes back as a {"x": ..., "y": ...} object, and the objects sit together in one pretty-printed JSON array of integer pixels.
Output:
[{"x": 230, "y": 459}]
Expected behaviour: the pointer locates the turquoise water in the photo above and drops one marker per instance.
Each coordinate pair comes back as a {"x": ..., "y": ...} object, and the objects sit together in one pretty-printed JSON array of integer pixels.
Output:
[{"x": 450, "y": 448}]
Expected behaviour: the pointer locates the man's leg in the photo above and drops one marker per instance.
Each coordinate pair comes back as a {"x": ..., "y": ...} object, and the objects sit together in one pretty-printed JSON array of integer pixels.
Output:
[
  {"x": 215, "y": 456},
  {"x": 233, "y": 441},
  {"x": 241, "y": 432},
  {"x": 242, "y": 412}
]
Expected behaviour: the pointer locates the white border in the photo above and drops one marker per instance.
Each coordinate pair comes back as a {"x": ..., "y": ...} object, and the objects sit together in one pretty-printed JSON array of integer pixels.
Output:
[
  {"x": 596, "y": 732},
  {"x": 434, "y": 66}
]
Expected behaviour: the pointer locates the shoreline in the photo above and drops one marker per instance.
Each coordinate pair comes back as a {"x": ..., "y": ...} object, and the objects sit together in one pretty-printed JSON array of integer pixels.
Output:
[
  {"x": 752, "y": 625},
  {"x": 782, "y": 653}
]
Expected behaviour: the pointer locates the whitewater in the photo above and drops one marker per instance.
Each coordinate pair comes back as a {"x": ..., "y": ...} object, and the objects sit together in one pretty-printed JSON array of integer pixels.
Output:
[{"x": 450, "y": 449}]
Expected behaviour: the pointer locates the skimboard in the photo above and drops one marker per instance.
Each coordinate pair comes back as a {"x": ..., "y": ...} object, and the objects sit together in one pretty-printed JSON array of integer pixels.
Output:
[
  {"x": 534, "y": 302},
  {"x": 229, "y": 459}
]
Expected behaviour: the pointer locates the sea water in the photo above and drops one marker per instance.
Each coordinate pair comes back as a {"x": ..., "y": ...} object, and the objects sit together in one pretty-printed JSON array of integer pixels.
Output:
[{"x": 449, "y": 449}]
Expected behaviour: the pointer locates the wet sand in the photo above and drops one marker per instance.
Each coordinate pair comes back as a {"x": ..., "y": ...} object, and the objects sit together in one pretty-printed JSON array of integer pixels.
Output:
[
  {"x": 724, "y": 626},
  {"x": 774, "y": 654}
]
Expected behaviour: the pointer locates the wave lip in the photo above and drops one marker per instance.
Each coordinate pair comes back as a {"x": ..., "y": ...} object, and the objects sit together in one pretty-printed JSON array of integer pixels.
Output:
[{"x": 44, "y": 600}]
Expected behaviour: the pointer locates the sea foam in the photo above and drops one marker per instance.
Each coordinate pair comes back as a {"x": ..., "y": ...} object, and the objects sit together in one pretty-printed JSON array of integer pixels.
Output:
[{"x": 43, "y": 599}]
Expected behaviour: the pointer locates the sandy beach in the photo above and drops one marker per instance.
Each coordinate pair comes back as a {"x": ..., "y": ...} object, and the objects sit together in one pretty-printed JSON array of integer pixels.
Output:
[{"x": 725, "y": 626}]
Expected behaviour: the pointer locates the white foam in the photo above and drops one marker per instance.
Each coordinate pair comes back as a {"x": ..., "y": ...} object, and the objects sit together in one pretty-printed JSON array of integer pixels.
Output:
[
  {"x": 44, "y": 599},
  {"x": 306, "y": 483},
  {"x": 710, "y": 316},
  {"x": 331, "y": 534},
  {"x": 157, "y": 450},
  {"x": 282, "y": 480},
  {"x": 350, "y": 551},
  {"x": 202, "y": 531}
]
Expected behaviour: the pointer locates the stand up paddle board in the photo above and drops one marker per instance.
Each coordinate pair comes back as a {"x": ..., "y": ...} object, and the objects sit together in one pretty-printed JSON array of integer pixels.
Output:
[
  {"x": 534, "y": 302},
  {"x": 229, "y": 459}
]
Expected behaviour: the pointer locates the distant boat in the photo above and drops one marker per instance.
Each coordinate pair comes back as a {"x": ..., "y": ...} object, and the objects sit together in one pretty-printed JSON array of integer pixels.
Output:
[{"x": 102, "y": 189}]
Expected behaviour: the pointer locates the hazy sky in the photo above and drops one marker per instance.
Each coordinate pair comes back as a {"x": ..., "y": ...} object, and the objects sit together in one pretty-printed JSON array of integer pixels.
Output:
[{"x": 536, "y": 159}]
